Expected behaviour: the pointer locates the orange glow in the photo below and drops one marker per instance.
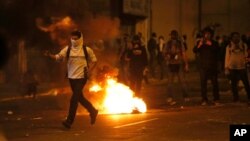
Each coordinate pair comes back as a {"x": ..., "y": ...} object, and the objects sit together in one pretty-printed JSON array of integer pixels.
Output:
[
  {"x": 119, "y": 98},
  {"x": 95, "y": 88},
  {"x": 58, "y": 29}
]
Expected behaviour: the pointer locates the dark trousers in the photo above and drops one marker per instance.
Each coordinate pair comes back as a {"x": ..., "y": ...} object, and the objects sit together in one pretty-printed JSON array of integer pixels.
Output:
[
  {"x": 77, "y": 96},
  {"x": 136, "y": 76},
  {"x": 205, "y": 75},
  {"x": 175, "y": 73},
  {"x": 152, "y": 61},
  {"x": 123, "y": 73},
  {"x": 235, "y": 76}
]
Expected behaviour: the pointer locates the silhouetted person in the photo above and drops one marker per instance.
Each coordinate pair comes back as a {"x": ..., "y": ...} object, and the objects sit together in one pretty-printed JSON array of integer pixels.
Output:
[
  {"x": 123, "y": 63},
  {"x": 184, "y": 40},
  {"x": 176, "y": 55},
  {"x": 29, "y": 83},
  {"x": 152, "y": 48},
  {"x": 235, "y": 65},
  {"x": 160, "y": 55},
  {"x": 208, "y": 51},
  {"x": 137, "y": 57}
]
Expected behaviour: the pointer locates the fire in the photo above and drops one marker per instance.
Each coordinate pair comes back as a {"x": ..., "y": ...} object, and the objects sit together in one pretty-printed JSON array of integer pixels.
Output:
[
  {"x": 119, "y": 98},
  {"x": 95, "y": 88}
]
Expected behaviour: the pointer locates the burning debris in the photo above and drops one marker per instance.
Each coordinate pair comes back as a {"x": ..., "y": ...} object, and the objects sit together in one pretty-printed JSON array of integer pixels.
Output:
[{"x": 117, "y": 97}]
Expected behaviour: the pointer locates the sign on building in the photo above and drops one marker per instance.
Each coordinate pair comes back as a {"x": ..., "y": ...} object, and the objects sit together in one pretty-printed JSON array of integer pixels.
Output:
[{"x": 136, "y": 7}]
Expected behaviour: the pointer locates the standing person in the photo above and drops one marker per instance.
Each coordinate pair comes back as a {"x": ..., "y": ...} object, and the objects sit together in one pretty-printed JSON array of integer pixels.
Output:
[
  {"x": 30, "y": 82},
  {"x": 78, "y": 56},
  {"x": 137, "y": 57},
  {"x": 160, "y": 55},
  {"x": 123, "y": 63},
  {"x": 208, "y": 51},
  {"x": 184, "y": 40},
  {"x": 142, "y": 39},
  {"x": 235, "y": 65},
  {"x": 175, "y": 55},
  {"x": 152, "y": 48}
]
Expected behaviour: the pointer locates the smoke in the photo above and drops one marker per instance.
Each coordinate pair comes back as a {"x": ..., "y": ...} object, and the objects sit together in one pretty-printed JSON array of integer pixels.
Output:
[
  {"x": 101, "y": 27},
  {"x": 93, "y": 28},
  {"x": 99, "y": 33},
  {"x": 58, "y": 29}
]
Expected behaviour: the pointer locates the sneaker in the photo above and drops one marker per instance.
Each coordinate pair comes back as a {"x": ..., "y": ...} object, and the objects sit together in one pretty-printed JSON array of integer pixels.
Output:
[
  {"x": 172, "y": 103},
  {"x": 169, "y": 100},
  {"x": 217, "y": 103},
  {"x": 66, "y": 124},
  {"x": 204, "y": 103},
  {"x": 93, "y": 116}
]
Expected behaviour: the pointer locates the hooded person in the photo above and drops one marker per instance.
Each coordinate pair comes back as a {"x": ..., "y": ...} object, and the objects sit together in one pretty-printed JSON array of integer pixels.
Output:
[{"x": 78, "y": 58}]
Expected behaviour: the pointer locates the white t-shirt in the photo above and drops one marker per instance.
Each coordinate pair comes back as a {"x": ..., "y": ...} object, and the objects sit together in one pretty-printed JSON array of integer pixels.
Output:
[
  {"x": 77, "y": 61},
  {"x": 235, "y": 56}
]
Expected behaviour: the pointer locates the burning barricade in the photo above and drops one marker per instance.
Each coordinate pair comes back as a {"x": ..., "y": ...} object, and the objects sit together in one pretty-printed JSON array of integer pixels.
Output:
[{"x": 117, "y": 98}]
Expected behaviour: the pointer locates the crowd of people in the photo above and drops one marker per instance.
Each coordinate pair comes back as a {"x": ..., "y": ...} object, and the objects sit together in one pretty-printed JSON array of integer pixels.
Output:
[
  {"x": 160, "y": 58},
  {"x": 138, "y": 61}
]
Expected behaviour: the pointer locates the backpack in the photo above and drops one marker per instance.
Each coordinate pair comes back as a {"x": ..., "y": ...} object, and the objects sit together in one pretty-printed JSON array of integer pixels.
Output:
[
  {"x": 230, "y": 49},
  {"x": 244, "y": 50},
  {"x": 169, "y": 47},
  {"x": 84, "y": 47}
]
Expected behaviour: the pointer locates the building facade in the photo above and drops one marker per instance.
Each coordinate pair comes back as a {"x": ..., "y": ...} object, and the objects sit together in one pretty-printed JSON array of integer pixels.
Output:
[
  {"x": 145, "y": 16},
  {"x": 189, "y": 16}
]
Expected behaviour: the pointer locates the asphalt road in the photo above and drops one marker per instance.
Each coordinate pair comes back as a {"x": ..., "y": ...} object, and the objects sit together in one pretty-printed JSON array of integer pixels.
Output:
[
  {"x": 26, "y": 119},
  {"x": 196, "y": 123}
]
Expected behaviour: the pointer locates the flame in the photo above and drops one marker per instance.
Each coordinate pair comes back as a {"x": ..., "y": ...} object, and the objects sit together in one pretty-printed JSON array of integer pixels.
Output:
[
  {"x": 95, "y": 88},
  {"x": 119, "y": 98}
]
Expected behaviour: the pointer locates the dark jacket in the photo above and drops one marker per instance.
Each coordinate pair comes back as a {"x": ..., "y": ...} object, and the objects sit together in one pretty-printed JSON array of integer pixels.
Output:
[
  {"x": 152, "y": 45},
  {"x": 174, "y": 51},
  {"x": 137, "y": 60},
  {"x": 160, "y": 55},
  {"x": 208, "y": 56}
]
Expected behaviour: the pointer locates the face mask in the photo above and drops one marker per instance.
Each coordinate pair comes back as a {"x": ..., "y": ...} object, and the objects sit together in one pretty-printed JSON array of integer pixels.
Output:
[{"x": 76, "y": 43}]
